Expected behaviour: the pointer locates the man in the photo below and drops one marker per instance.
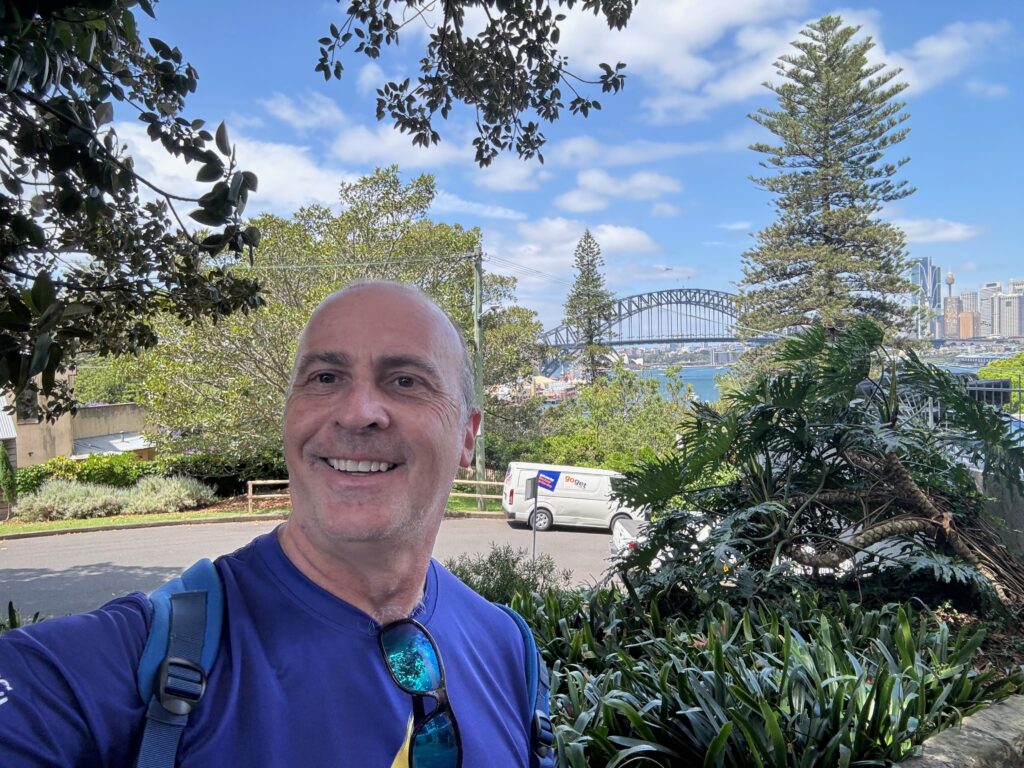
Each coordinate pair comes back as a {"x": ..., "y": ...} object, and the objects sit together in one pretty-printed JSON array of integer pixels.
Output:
[{"x": 379, "y": 416}]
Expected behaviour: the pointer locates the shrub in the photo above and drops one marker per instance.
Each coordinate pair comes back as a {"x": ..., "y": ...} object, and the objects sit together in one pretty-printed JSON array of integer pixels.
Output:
[
  {"x": 228, "y": 475},
  {"x": 505, "y": 572},
  {"x": 804, "y": 685},
  {"x": 8, "y": 481},
  {"x": 30, "y": 479},
  {"x": 69, "y": 500},
  {"x": 153, "y": 495},
  {"x": 119, "y": 470}
]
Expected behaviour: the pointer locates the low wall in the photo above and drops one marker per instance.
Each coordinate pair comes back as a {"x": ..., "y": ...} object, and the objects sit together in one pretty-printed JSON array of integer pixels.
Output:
[{"x": 992, "y": 738}]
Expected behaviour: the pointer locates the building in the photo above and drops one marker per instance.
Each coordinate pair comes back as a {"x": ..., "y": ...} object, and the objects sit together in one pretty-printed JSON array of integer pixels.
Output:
[
  {"x": 928, "y": 279},
  {"x": 1008, "y": 315},
  {"x": 951, "y": 318},
  {"x": 969, "y": 301},
  {"x": 1016, "y": 285},
  {"x": 985, "y": 294},
  {"x": 970, "y": 323}
]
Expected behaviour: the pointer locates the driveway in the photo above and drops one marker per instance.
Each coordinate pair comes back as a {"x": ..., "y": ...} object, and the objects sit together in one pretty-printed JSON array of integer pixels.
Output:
[{"x": 55, "y": 575}]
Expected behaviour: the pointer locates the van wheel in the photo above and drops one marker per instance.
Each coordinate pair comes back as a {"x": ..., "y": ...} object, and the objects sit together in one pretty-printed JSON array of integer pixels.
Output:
[
  {"x": 616, "y": 519},
  {"x": 541, "y": 520}
]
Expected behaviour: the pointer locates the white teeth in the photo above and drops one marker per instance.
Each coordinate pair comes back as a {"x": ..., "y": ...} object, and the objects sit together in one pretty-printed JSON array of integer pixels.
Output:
[{"x": 348, "y": 465}]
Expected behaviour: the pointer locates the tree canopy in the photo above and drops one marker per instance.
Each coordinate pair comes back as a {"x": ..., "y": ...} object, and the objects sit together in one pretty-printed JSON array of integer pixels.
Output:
[
  {"x": 503, "y": 61},
  {"x": 220, "y": 387},
  {"x": 90, "y": 249},
  {"x": 828, "y": 256}
]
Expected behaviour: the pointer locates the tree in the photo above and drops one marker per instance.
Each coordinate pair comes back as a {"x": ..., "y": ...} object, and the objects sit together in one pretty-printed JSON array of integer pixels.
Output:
[
  {"x": 828, "y": 256},
  {"x": 612, "y": 423},
  {"x": 829, "y": 464},
  {"x": 1011, "y": 368},
  {"x": 589, "y": 305},
  {"x": 220, "y": 387},
  {"x": 85, "y": 262},
  {"x": 509, "y": 72}
]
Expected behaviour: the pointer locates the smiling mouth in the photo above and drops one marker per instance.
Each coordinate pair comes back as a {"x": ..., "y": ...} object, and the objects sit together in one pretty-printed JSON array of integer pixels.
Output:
[{"x": 361, "y": 466}]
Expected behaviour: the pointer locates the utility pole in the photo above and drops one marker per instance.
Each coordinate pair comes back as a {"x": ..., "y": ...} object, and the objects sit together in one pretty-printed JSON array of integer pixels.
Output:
[{"x": 478, "y": 344}]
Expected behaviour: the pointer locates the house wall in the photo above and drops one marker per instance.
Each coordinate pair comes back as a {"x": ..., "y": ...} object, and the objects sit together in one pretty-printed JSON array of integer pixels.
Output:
[
  {"x": 41, "y": 440},
  {"x": 108, "y": 420},
  {"x": 38, "y": 442}
]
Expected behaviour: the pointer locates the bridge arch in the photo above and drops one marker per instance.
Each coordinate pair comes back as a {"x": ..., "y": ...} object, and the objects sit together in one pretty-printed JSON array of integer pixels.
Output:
[{"x": 673, "y": 315}]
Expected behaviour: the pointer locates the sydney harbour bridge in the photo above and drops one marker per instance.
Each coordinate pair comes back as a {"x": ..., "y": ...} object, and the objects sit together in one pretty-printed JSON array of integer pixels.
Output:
[{"x": 674, "y": 315}]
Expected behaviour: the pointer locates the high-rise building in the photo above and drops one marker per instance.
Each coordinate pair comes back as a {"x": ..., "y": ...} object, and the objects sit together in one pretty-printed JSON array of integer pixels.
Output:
[
  {"x": 928, "y": 280},
  {"x": 1016, "y": 285},
  {"x": 1008, "y": 314},
  {"x": 969, "y": 322},
  {"x": 951, "y": 317},
  {"x": 985, "y": 294},
  {"x": 969, "y": 300}
]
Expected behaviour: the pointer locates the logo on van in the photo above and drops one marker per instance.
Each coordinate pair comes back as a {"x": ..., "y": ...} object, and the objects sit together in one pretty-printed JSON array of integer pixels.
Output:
[
  {"x": 547, "y": 480},
  {"x": 576, "y": 482}
]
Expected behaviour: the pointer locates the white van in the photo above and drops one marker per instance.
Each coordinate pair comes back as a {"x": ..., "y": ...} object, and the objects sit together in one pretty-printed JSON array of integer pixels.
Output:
[{"x": 565, "y": 496}]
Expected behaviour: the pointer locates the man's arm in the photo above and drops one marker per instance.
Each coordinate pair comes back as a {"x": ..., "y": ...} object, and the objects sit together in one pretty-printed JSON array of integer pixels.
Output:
[{"x": 68, "y": 695}]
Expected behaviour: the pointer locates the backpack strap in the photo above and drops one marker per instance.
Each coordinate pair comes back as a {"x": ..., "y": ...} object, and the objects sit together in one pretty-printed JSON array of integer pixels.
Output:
[
  {"x": 538, "y": 687},
  {"x": 184, "y": 637}
]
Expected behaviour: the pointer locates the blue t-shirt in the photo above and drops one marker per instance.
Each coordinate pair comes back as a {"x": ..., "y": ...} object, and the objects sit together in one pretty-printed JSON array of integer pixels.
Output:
[{"x": 299, "y": 680}]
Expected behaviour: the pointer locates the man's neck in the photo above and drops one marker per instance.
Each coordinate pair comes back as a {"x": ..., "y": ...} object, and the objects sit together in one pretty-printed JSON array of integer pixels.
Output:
[{"x": 386, "y": 582}]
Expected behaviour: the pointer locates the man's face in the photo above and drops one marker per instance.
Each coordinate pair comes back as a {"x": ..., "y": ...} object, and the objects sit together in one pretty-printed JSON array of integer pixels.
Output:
[{"x": 373, "y": 432}]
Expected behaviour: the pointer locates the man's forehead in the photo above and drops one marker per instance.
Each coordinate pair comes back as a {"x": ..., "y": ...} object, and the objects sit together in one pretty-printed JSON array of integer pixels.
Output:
[{"x": 373, "y": 315}]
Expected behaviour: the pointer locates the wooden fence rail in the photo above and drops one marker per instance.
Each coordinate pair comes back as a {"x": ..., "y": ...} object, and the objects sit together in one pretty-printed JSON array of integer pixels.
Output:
[{"x": 251, "y": 496}]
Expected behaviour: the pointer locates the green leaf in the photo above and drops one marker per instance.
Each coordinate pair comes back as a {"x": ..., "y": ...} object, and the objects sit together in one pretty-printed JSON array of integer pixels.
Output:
[
  {"x": 204, "y": 216},
  {"x": 712, "y": 757},
  {"x": 43, "y": 292},
  {"x": 104, "y": 113},
  {"x": 40, "y": 354},
  {"x": 222, "y": 139},
  {"x": 210, "y": 172}
]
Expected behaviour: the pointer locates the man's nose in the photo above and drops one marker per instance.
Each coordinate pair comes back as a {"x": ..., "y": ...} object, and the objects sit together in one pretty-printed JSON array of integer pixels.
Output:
[{"x": 362, "y": 406}]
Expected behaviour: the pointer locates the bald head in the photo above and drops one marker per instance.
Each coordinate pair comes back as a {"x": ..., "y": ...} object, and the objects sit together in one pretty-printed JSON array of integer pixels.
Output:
[{"x": 393, "y": 296}]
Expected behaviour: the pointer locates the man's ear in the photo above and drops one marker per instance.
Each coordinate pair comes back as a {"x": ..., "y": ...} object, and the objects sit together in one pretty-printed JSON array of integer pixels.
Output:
[{"x": 469, "y": 438}]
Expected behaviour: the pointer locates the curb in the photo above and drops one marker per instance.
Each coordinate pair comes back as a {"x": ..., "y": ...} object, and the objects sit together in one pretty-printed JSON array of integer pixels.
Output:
[
  {"x": 991, "y": 738},
  {"x": 209, "y": 521}
]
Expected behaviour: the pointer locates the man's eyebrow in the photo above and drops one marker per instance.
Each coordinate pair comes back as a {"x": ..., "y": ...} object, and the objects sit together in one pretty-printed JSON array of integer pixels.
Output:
[{"x": 338, "y": 359}]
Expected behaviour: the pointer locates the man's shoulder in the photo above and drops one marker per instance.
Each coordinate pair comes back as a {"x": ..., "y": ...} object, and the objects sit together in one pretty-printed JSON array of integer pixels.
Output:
[{"x": 125, "y": 618}]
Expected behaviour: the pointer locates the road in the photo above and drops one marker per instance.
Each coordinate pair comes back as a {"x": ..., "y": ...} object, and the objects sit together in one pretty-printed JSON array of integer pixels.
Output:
[{"x": 75, "y": 572}]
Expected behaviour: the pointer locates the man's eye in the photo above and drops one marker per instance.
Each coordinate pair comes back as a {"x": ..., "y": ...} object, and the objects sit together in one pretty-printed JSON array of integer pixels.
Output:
[
  {"x": 324, "y": 378},
  {"x": 405, "y": 382}
]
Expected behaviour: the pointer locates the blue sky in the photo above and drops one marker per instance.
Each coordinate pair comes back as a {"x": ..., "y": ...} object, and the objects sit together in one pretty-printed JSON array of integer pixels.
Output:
[{"x": 661, "y": 174}]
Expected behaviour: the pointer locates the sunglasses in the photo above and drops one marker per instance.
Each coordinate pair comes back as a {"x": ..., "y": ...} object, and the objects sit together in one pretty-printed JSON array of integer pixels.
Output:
[{"x": 415, "y": 666}]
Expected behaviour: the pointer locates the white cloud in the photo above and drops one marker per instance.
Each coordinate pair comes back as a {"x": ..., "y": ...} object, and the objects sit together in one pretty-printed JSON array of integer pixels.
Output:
[
  {"x": 735, "y": 226},
  {"x": 371, "y": 77},
  {"x": 695, "y": 57},
  {"x": 936, "y": 58},
  {"x": 446, "y": 202},
  {"x": 987, "y": 90},
  {"x": 584, "y": 150},
  {"x": 595, "y": 189},
  {"x": 664, "y": 273},
  {"x": 936, "y": 230},
  {"x": 384, "y": 145},
  {"x": 969, "y": 266},
  {"x": 508, "y": 173},
  {"x": 288, "y": 176},
  {"x": 314, "y": 110},
  {"x": 614, "y": 239},
  {"x": 664, "y": 210}
]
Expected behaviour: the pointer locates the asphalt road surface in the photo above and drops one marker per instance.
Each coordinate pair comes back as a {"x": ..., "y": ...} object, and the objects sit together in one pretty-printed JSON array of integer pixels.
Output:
[{"x": 75, "y": 572}]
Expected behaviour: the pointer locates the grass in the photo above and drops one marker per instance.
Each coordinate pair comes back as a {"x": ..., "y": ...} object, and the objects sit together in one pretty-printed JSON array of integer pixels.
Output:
[
  {"x": 14, "y": 525},
  {"x": 17, "y": 526}
]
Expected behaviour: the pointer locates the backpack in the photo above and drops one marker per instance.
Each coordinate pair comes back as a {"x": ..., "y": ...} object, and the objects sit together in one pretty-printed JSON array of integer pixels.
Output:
[{"x": 184, "y": 637}]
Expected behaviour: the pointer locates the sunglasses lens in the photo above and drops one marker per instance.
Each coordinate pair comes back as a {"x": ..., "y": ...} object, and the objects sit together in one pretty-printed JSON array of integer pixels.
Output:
[
  {"x": 435, "y": 743},
  {"x": 412, "y": 657}
]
